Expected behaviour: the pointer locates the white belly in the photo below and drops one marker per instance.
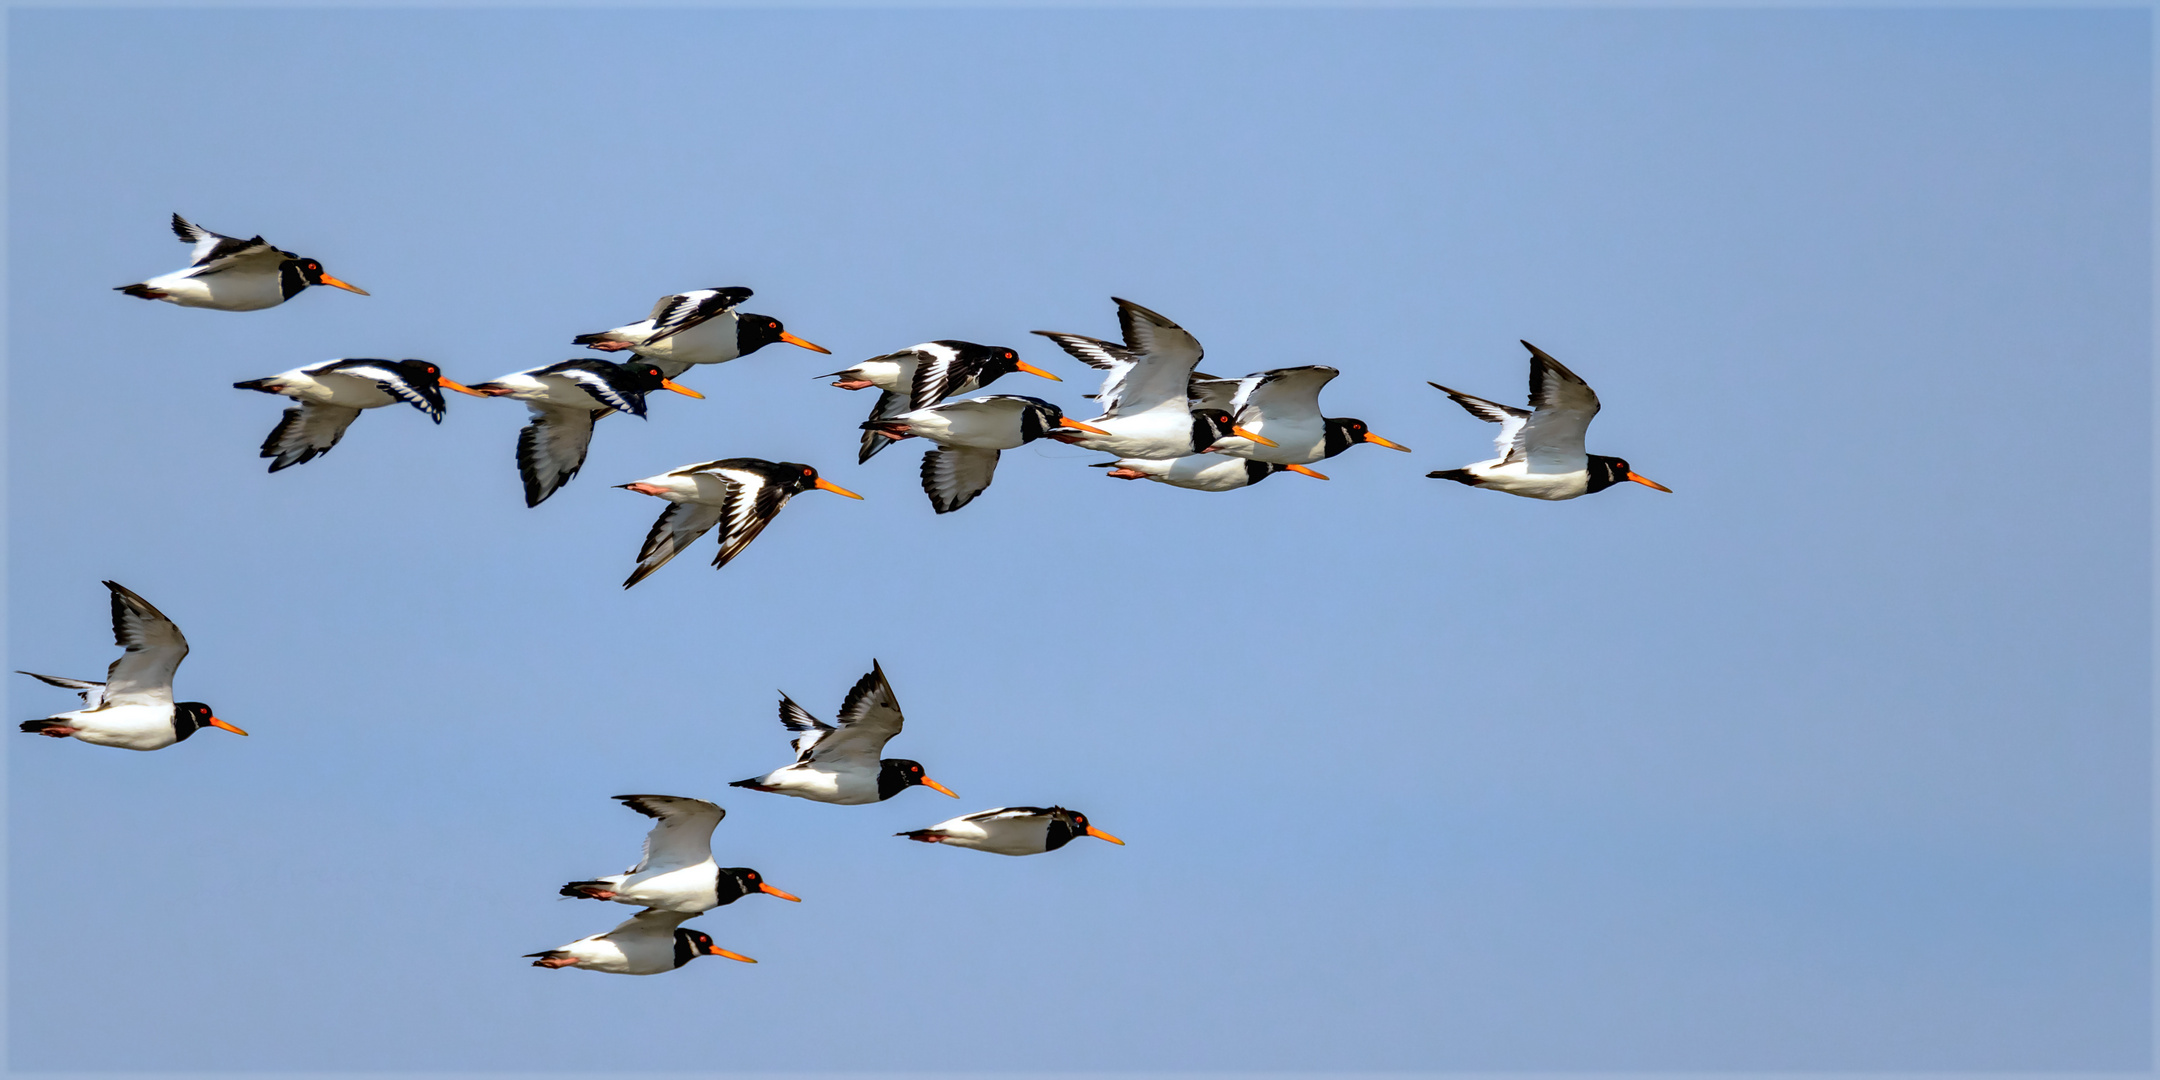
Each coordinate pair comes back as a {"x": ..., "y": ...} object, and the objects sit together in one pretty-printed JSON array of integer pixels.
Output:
[
  {"x": 687, "y": 888},
  {"x": 1157, "y": 433},
  {"x": 229, "y": 291},
  {"x": 1297, "y": 442},
  {"x": 709, "y": 342},
  {"x": 1515, "y": 478},
  {"x": 850, "y": 788},
  {"x": 130, "y": 727}
]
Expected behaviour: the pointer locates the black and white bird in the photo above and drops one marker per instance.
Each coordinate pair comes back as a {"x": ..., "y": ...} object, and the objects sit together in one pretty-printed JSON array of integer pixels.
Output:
[
  {"x": 696, "y": 327},
  {"x": 565, "y": 399},
  {"x": 969, "y": 434},
  {"x": 838, "y": 762},
  {"x": 1013, "y": 830},
  {"x": 331, "y": 396},
  {"x": 740, "y": 495},
  {"x": 233, "y": 275},
  {"x": 1541, "y": 448},
  {"x": 1201, "y": 472},
  {"x": 925, "y": 374},
  {"x": 1146, "y": 411},
  {"x": 133, "y": 708},
  {"x": 1283, "y": 406},
  {"x": 647, "y": 943},
  {"x": 677, "y": 872}
]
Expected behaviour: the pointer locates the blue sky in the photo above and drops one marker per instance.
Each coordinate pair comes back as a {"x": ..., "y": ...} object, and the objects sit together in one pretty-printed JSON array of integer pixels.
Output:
[{"x": 1836, "y": 758}]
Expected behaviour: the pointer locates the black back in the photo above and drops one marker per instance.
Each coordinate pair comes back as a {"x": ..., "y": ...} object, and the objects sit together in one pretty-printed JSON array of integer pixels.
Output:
[
  {"x": 754, "y": 332},
  {"x": 736, "y": 882},
  {"x": 189, "y": 717},
  {"x": 691, "y": 944},
  {"x": 1606, "y": 471},
  {"x": 897, "y": 775}
]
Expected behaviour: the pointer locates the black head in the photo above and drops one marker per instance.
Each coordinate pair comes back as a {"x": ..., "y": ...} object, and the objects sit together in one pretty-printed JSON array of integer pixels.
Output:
[
  {"x": 425, "y": 378},
  {"x": 736, "y": 882},
  {"x": 1068, "y": 825},
  {"x": 638, "y": 376},
  {"x": 796, "y": 477},
  {"x": 899, "y": 774},
  {"x": 190, "y": 717},
  {"x": 1607, "y": 471},
  {"x": 1038, "y": 419},
  {"x": 1343, "y": 432},
  {"x": 691, "y": 944},
  {"x": 297, "y": 272},
  {"x": 1209, "y": 426},
  {"x": 754, "y": 332},
  {"x": 994, "y": 361}
]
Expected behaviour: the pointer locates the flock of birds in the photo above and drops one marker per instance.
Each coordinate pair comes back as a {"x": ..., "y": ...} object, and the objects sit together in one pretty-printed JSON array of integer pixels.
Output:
[{"x": 1161, "y": 420}]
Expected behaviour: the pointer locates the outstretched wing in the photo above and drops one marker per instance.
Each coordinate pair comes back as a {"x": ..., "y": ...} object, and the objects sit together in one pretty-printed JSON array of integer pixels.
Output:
[
  {"x": 306, "y": 432},
  {"x": 752, "y": 503},
  {"x": 390, "y": 380},
  {"x": 1562, "y": 407},
  {"x": 684, "y": 835},
  {"x": 1283, "y": 394},
  {"x": 888, "y": 405},
  {"x": 678, "y": 527},
  {"x": 869, "y": 718},
  {"x": 92, "y": 693},
  {"x": 216, "y": 253},
  {"x": 796, "y": 718},
  {"x": 551, "y": 448},
  {"x": 675, "y": 314},
  {"x": 953, "y": 476},
  {"x": 591, "y": 377},
  {"x": 1208, "y": 392},
  {"x": 1163, "y": 356},
  {"x": 143, "y": 675},
  {"x": 1511, "y": 420},
  {"x": 939, "y": 374}
]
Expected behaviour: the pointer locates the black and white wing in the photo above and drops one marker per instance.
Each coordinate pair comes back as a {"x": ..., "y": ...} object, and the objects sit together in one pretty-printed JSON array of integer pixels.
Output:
[
  {"x": 216, "y": 253},
  {"x": 551, "y": 448},
  {"x": 1282, "y": 394},
  {"x": 940, "y": 372},
  {"x": 1562, "y": 406},
  {"x": 591, "y": 376},
  {"x": 144, "y": 673},
  {"x": 1164, "y": 356},
  {"x": 869, "y": 718},
  {"x": 684, "y": 835},
  {"x": 888, "y": 405},
  {"x": 1511, "y": 420},
  {"x": 953, "y": 476},
  {"x": 752, "y": 503},
  {"x": 307, "y": 432},
  {"x": 796, "y": 718},
  {"x": 92, "y": 693},
  {"x": 390, "y": 380},
  {"x": 1101, "y": 355},
  {"x": 677, "y": 313},
  {"x": 678, "y": 527},
  {"x": 1208, "y": 392}
]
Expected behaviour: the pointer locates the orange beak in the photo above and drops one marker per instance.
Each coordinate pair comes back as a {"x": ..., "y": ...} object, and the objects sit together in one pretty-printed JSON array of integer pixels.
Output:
[
  {"x": 1101, "y": 835},
  {"x": 929, "y": 783},
  {"x": 1071, "y": 423},
  {"x": 1306, "y": 471},
  {"x": 1647, "y": 482},
  {"x": 328, "y": 280},
  {"x": 1245, "y": 433},
  {"x": 769, "y": 890},
  {"x": 1033, "y": 370},
  {"x": 718, "y": 951},
  {"x": 461, "y": 388},
  {"x": 670, "y": 384},
  {"x": 827, "y": 485},
  {"x": 217, "y": 723},
  {"x": 1378, "y": 441},
  {"x": 792, "y": 340}
]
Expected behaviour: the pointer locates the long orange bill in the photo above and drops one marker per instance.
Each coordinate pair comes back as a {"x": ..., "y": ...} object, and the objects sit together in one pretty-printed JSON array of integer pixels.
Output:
[
  {"x": 827, "y": 485},
  {"x": 348, "y": 287},
  {"x": 1247, "y": 433},
  {"x": 670, "y": 384},
  {"x": 929, "y": 783},
  {"x": 1306, "y": 471},
  {"x": 217, "y": 723},
  {"x": 1033, "y": 370},
  {"x": 769, "y": 890},
  {"x": 792, "y": 340},
  {"x": 1066, "y": 421},
  {"x": 718, "y": 951},
  {"x": 461, "y": 388},
  {"x": 1101, "y": 835},
  {"x": 1647, "y": 482},
  {"x": 1378, "y": 441}
]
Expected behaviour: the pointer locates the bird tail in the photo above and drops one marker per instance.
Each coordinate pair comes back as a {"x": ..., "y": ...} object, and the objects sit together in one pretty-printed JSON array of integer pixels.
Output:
[
  {"x": 142, "y": 290},
  {"x": 1460, "y": 476},
  {"x": 584, "y": 890},
  {"x": 927, "y": 836},
  {"x": 37, "y": 727},
  {"x": 751, "y": 783},
  {"x": 267, "y": 386}
]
